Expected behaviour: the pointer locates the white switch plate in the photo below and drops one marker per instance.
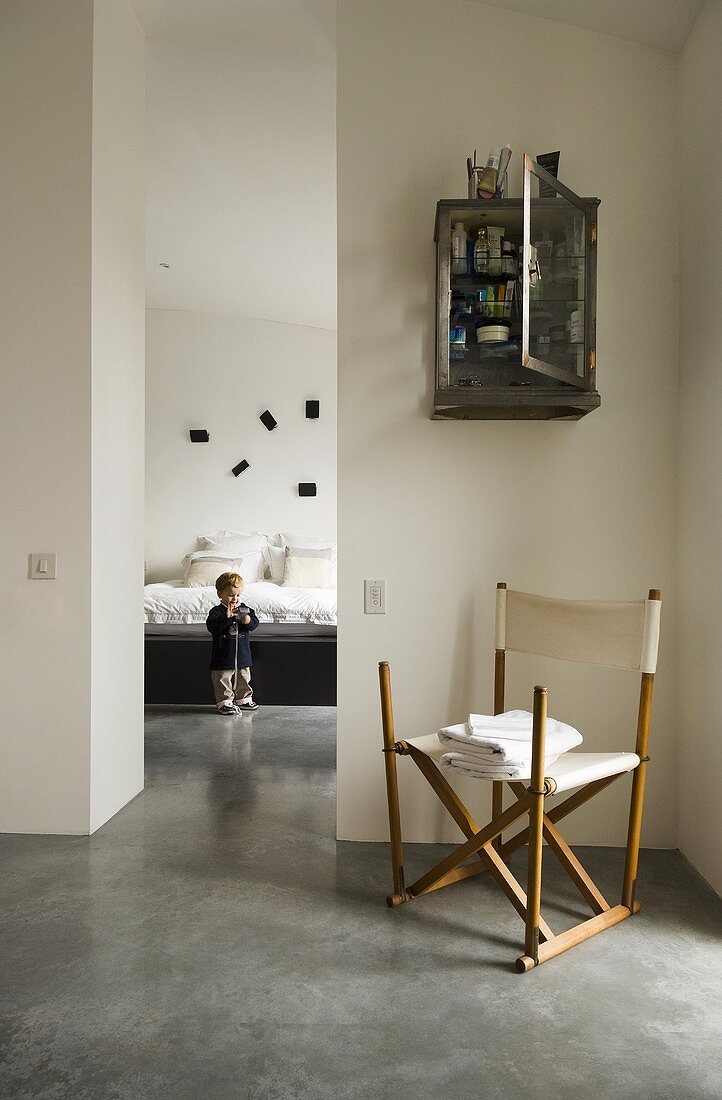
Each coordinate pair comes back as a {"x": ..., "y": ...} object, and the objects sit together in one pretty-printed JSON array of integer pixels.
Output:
[
  {"x": 43, "y": 567},
  {"x": 375, "y": 597}
]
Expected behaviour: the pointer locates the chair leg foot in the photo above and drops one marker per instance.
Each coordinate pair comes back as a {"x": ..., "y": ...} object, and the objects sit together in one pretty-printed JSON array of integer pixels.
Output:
[
  {"x": 396, "y": 899},
  {"x": 524, "y": 963}
]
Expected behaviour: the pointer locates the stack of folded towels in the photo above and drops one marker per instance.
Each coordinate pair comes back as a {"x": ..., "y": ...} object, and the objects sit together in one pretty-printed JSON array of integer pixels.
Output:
[{"x": 498, "y": 746}]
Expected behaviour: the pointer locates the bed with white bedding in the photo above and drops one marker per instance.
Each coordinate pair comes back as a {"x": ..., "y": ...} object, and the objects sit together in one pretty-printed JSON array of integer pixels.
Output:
[
  {"x": 171, "y": 602},
  {"x": 294, "y": 646}
]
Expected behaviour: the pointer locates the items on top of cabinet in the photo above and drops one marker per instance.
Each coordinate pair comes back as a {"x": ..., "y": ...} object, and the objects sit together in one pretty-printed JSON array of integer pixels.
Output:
[
  {"x": 550, "y": 162},
  {"x": 502, "y": 180},
  {"x": 490, "y": 180}
]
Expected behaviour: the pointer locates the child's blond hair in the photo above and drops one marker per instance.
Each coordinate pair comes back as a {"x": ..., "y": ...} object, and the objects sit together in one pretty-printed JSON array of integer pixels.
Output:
[{"x": 228, "y": 580}]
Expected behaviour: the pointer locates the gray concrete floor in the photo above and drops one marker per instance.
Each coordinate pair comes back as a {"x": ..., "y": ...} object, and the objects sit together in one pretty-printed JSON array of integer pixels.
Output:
[{"x": 213, "y": 941}]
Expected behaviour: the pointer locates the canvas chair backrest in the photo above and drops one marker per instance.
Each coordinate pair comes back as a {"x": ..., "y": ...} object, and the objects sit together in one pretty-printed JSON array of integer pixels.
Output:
[{"x": 600, "y": 632}]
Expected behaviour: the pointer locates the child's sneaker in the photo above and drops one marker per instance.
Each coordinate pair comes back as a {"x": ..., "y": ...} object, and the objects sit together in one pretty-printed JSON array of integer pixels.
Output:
[
  {"x": 250, "y": 705},
  {"x": 228, "y": 708}
]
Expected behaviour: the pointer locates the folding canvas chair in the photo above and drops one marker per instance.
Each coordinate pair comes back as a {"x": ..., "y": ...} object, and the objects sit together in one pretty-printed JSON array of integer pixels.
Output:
[{"x": 622, "y": 635}]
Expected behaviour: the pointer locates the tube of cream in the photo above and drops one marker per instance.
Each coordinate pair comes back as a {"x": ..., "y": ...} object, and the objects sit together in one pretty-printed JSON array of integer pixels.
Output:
[{"x": 504, "y": 158}]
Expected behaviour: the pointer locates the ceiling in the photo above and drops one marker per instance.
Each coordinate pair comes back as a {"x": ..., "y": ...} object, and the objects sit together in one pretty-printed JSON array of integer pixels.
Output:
[
  {"x": 241, "y": 158},
  {"x": 228, "y": 23},
  {"x": 241, "y": 202},
  {"x": 661, "y": 23}
]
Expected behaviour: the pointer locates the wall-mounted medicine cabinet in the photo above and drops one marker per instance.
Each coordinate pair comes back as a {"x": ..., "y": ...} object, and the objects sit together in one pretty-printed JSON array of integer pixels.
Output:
[{"x": 516, "y": 304}]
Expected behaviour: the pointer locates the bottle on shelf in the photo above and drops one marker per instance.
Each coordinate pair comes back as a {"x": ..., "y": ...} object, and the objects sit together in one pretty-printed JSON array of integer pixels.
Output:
[
  {"x": 481, "y": 252},
  {"x": 459, "y": 261},
  {"x": 508, "y": 259}
]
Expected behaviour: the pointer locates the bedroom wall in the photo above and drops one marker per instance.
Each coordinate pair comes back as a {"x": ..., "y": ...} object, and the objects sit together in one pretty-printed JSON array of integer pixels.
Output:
[
  {"x": 700, "y": 512},
  {"x": 57, "y": 754},
  {"x": 241, "y": 205},
  {"x": 220, "y": 373},
  {"x": 444, "y": 510}
]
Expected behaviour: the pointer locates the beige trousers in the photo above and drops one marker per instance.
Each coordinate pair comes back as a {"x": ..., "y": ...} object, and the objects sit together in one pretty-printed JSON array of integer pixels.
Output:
[{"x": 231, "y": 685}]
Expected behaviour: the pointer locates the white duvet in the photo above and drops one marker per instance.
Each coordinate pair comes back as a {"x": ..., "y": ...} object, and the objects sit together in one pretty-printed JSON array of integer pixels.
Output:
[{"x": 170, "y": 602}]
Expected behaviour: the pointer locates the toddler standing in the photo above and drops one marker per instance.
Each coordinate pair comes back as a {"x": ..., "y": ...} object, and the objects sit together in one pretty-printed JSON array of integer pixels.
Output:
[{"x": 230, "y": 624}]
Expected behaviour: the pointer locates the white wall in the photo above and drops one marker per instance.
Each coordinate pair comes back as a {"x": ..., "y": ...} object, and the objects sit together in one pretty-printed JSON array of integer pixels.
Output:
[
  {"x": 220, "y": 373},
  {"x": 55, "y": 334},
  {"x": 46, "y": 59},
  {"x": 118, "y": 428},
  {"x": 444, "y": 510},
  {"x": 700, "y": 513}
]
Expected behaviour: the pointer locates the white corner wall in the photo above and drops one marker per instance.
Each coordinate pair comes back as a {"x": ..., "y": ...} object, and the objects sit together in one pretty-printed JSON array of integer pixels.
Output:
[
  {"x": 444, "y": 510},
  {"x": 700, "y": 395},
  {"x": 118, "y": 427},
  {"x": 221, "y": 373},
  {"x": 57, "y": 374}
]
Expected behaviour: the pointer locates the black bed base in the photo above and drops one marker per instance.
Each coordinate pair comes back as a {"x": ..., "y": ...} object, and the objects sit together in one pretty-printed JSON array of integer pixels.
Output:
[{"x": 293, "y": 664}]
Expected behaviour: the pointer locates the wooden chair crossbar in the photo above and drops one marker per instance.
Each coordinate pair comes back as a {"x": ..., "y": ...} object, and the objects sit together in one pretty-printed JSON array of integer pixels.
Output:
[{"x": 484, "y": 849}]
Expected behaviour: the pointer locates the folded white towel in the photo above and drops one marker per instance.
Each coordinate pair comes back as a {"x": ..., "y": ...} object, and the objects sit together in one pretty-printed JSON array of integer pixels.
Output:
[
  {"x": 472, "y": 764},
  {"x": 499, "y": 746}
]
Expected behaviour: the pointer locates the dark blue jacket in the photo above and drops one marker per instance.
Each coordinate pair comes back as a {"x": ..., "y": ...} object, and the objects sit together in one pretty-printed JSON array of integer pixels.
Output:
[{"x": 231, "y": 642}]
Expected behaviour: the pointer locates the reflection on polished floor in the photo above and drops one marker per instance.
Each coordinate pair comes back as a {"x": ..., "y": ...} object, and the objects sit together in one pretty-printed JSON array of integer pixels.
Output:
[{"x": 214, "y": 941}]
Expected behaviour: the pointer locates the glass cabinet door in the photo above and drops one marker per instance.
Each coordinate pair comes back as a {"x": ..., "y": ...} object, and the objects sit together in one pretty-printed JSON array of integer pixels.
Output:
[{"x": 557, "y": 325}]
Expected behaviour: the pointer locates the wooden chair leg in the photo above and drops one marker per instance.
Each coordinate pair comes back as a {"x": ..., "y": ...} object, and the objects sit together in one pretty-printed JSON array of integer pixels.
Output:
[
  {"x": 536, "y": 824},
  {"x": 636, "y": 806},
  {"x": 497, "y": 790},
  {"x": 497, "y": 805},
  {"x": 392, "y": 787}
]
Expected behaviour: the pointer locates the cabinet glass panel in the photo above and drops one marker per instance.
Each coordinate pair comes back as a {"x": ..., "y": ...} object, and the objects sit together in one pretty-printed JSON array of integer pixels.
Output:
[
  {"x": 554, "y": 279},
  {"x": 484, "y": 311}
]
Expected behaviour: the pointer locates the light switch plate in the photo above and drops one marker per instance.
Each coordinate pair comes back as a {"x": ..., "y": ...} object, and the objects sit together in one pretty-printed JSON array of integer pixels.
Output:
[
  {"x": 375, "y": 597},
  {"x": 43, "y": 567}
]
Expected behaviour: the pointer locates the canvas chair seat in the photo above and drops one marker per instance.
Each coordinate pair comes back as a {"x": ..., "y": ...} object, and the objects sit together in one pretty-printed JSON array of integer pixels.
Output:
[
  {"x": 570, "y": 770},
  {"x": 617, "y": 635}
]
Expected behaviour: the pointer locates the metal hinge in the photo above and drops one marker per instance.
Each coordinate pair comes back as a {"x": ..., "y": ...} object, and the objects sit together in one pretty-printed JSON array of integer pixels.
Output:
[
  {"x": 592, "y": 359},
  {"x": 592, "y": 234}
]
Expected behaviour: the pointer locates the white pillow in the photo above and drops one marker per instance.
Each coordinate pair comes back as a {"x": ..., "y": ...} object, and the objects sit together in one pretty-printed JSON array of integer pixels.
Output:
[
  {"x": 233, "y": 542},
  {"x": 201, "y": 564},
  {"x": 307, "y": 567},
  {"x": 275, "y": 559},
  {"x": 289, "y": 538},
  {"x": 203, "y": 572}
]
